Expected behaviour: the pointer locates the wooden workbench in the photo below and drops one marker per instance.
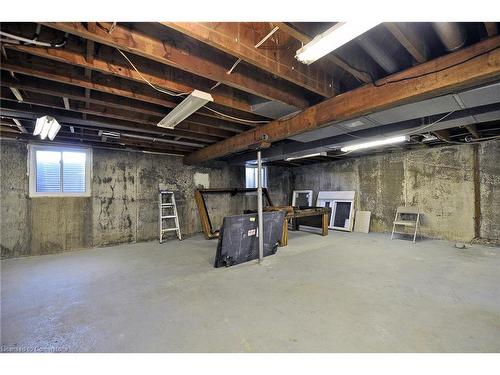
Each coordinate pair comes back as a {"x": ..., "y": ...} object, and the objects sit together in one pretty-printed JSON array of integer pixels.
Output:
[{"x": 295, "y": 213}]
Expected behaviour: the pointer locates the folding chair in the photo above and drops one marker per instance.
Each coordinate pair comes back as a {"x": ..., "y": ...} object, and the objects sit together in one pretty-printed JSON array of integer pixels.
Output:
[{"x": 406, "y": 217}]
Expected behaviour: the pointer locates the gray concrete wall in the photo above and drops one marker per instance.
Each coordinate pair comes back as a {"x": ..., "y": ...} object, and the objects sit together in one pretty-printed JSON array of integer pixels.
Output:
[
  {"x": 123, "y": 206},
  {"x": 489, "y": 160},
  {"x": 440, "y": 181}
]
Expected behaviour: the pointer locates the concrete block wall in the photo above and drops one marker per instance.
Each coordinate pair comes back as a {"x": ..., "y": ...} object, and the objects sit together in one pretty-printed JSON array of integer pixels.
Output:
[{"x": 440, "y": 181}]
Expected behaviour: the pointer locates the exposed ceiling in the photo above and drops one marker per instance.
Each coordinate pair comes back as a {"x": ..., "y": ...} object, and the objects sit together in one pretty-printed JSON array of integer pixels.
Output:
[{"x": 250, "y": 70}]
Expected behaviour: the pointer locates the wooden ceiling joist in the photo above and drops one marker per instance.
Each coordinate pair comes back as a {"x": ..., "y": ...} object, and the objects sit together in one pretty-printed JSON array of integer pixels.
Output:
[
  {"x": 491, "y": 28},
  {"x": 409, "y": 40},
  {"x": 121, "y": 71},
  {"x": 301, "y": 37},
  {"x": 238, "y": 39},
  {"x": 474, "y": 65},
  {"x": 104, "y": 118},
  {"x": 123, "y": 104},
  {"x": 170, "y": 54},
  {"x": 55, "y": 75},
  {"x": 103, "y": 111}
]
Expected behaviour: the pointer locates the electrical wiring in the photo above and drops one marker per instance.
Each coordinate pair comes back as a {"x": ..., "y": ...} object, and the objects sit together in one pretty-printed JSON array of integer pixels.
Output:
[
  {"x": 477, "y": 140},
  {"x": 235, "y": 118},
  {"x": 429, "y": 125},
  {"x": 435, "y": 71},
  {"x": 21, "y": 40},
  {"x": 171, "y": 93},
  {"x": 183, "y": 94}
]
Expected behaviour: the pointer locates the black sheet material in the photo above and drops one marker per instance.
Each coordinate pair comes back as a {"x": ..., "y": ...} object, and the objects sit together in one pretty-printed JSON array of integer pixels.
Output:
[{"x": 238, "y": 241}]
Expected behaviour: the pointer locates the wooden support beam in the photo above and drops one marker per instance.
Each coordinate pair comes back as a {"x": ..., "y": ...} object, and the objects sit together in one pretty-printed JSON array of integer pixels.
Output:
[
  {"x": 132, "y": 124},
  {"x": 239, "y": 39},
  {"x": 413, "y": 43},
  {"x": 363, "y": 77},
  {"x": 161, "y": 80},
  {"x": 443, "y": 134},
  {"x": 186, "y": 129},
  {"x": 123, "y": 104},
  {"x": 491, "y": 28},
  {"x": 474, "y": 65},
  {"x": 168, "y": 53},
  {"x": 125, "y": 144},
  {"x": 472, "y": 128},
  {"x": 49, "y": 73}
]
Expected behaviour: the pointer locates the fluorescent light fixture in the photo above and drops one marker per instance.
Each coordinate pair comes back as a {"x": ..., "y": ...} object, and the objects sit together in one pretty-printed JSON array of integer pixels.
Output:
[
  {"x": 111, "y": 134},
  {"x": 380, "y": 142},
  {"x": 19, "y": 125},
  {"x": 306, "y": 156},
  {"x": 187, "y": 107},
  {"x": 17, "y": 94},
  {"x": 66, "y": 102},
  {"x": 46, "y": 126},
  {"x": 331, "y": 39}
]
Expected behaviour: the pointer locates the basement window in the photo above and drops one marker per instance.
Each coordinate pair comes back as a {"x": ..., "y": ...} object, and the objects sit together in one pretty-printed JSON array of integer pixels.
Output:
[
  {"x": 251, "y": 176},
  {"x": 59, "y": 171}
]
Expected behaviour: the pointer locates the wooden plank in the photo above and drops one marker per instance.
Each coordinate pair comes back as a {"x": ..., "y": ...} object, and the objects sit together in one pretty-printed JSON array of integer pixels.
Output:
[
  {"x": 168, "y": 53},
  {"x": 54, "y": 75},
  {"x": 68, "y": 57},
  {"x": 443, "y": 134},
  {"x": 123, "y": 104},
  {"x": 101, "y": 119},
  {"x": 409, "y": 40},
  {"x": 186, "y": 130},
  {"x": 471, "y": 66},
  {"x": 239, "y": 39},
  {"x": 472, "y": 128},
  {"x": 363, "y": 77}
]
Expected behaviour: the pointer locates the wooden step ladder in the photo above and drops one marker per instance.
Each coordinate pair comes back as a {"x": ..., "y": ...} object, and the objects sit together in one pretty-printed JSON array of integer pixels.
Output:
[{"x": 168, "y": 211}]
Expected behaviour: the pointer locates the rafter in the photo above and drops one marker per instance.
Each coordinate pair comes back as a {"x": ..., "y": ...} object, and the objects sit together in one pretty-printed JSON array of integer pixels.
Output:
[
  {"x": 301, "y": 37},
  {"x": 238, "y": 39},
  {"x": 160, "y": 80},
  {"x": 107, "y": 119},
  {"x": 491, "y": 28},
  {"x": 409, "y": 40},
  {"x": 56, "y": 75},
  {"x": 170, "y": 54},
  {"x": 470, "y": 66},
  {"x": 185, "y": 129},
  {"x": 121, "y": 104}
]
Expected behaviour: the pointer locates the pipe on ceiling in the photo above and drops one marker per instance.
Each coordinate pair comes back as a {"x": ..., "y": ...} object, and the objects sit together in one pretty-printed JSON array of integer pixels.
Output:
[
  {"x": 378, "y": 54},
  {"x": 451, "y": 34}
]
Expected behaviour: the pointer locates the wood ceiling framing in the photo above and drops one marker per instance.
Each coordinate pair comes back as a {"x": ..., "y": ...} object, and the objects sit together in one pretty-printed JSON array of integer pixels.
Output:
[{"x": 90, "y": 87}]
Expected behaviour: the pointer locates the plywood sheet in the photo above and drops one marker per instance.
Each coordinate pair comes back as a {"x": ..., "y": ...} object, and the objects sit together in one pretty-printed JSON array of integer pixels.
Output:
[{"x": 362, "y": 221}]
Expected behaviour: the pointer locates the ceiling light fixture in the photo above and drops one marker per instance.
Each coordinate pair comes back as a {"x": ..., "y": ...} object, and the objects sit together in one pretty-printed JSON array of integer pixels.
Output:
[
  {"x": 380, "y": 142},
  {"x": 306, "y": 156},
  {"x": 17, "y": 94},
  {"x": 331, "y": 39},
  {"x": 187, "y": 107},
  {"x": 19, "y": 125},
  {"x": 46, "y": 126}
]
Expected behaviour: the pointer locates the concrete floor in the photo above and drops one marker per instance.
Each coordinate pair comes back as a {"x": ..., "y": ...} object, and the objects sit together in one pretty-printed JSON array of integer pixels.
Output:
[{"x": 347, "y": 292}]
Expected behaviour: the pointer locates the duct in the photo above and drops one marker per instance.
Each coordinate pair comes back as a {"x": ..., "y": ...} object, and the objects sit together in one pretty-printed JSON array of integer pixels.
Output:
[
  {"x": 378, "y": 54},
  {"x": 273, "y": 109},
  {"x": 451, "y": 34}
]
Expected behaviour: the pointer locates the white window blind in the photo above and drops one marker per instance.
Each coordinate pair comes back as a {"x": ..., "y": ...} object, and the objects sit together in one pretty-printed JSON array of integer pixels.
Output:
[
  {"x": 74, "y": 172},
  {"x": 48, "y": 171},
  {"x": 251, "y": 177},
  {"x": 59, "y": 171}
]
